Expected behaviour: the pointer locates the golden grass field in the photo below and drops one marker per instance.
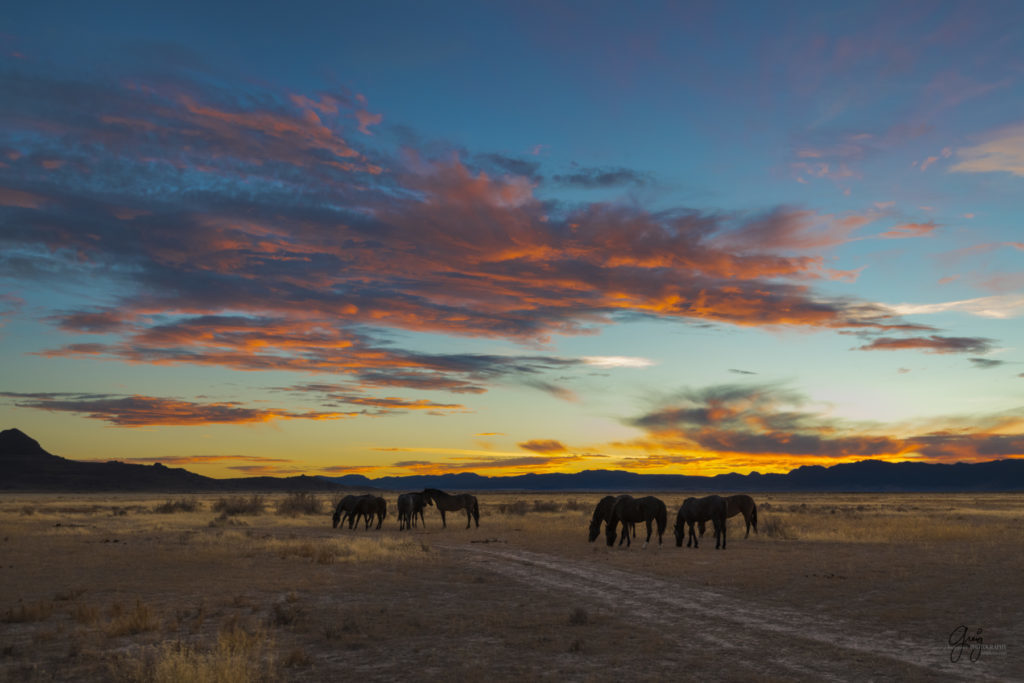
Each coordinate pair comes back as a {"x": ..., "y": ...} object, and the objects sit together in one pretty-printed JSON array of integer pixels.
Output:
[{"x": 848, "y": 587}]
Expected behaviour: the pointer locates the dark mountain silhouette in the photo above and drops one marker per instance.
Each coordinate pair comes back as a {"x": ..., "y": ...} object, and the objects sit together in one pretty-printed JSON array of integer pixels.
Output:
[
  {"x": 26, "y": 466},
  {"x": 863, "y": 476}
]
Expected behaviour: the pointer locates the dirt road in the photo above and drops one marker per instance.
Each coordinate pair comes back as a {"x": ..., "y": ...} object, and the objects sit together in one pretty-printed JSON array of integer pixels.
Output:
[{"x": 753, "y": 640}]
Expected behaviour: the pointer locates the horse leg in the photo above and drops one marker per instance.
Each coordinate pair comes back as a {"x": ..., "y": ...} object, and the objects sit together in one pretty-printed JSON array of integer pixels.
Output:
[
  {"x": 746, "y": 518},
  {"x": 469, "y": 517},
  {"x": 648, "y": 534},
  {"x": 444, "y": 524}
]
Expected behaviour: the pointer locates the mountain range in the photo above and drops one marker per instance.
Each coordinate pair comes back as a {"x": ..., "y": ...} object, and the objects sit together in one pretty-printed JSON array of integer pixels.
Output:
[{"x": 26, "y": 466}]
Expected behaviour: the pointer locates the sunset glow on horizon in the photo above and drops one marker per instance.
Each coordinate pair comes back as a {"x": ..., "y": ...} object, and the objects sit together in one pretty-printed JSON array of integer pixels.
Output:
[{"x": 506, "y": 238}]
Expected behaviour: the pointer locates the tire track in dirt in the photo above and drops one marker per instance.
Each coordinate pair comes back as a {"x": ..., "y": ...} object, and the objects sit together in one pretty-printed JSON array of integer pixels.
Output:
[{"x": 769, "y": 640}]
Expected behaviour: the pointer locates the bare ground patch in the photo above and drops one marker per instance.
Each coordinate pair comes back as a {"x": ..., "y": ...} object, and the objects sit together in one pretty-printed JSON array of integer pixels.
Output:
[{"x": 110, "y": 589}]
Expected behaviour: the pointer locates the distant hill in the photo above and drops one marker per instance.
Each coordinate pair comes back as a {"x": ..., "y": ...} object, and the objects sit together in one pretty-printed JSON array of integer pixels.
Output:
[
  {"x": 26, "y": 466},
  {"x": 863, "y": 476}
]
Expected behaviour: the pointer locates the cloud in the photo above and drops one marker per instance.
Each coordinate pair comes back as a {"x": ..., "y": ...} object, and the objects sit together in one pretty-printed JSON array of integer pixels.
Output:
[
  {"x": 275, "y": 242},
  {"x": 1003, "y": 151},
  {"x": 513, "y": 165},
  {"x": 600, "y": 178},
  {"x": 618, "y": 361},
  {"x": 332, "y": 394},
  {"x": 780, "y": 428},
  {"x": 986, "y": 363},
  {"x": 543, "y": 446},
  {"x": 144, "y": 411},
  {"x": 182, "y": 460},
  {"x": 931, "y": 344},
  {"x": 1000, "y": 307},
  {"x": 909, "y": 230}
]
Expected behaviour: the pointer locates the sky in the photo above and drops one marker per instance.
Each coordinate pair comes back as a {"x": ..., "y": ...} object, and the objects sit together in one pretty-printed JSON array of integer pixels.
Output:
[{"x": 402, "y": 238}]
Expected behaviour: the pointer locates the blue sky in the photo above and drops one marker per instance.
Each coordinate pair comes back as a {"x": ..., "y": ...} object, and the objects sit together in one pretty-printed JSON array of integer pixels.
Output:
[{"x": 507, "y": 237}]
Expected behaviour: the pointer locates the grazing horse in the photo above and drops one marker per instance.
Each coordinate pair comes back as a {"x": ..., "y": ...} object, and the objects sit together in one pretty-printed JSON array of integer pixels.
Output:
[
  {"x": 352, "y": 508},
  {"x": 344, "y": 509},
  {"x": 631, "y": 510},
  {"x": 446, "y": 502},
  {"x": 694, "y": 510},
  {"x": 602, "y": 513},
  {"x": 410, "y": 505},
  {"x": 380, "y": 508},
  {"x": 740, "y": 503},
  {"x": 365, "y": 507}
]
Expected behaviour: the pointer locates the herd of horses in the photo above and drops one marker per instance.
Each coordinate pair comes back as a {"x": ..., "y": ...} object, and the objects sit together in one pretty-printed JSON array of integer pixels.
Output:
[
  {"x": 612, "y": 511},
  {"x": 353, "y": 508},
  {"x": 627, "y": 511}
]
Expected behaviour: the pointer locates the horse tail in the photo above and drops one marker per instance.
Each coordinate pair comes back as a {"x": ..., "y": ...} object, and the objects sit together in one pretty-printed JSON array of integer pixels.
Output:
[
  {"x": 753, "y": 516},
  {"x": 662, "y": 519}
]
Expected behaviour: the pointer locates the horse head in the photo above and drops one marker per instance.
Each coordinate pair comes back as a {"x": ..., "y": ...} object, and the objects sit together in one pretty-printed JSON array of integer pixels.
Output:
[
  {"x": 336, "y": 518},
  {"x": 679, "y": 531},
  {"x": 595, "y": 529}
]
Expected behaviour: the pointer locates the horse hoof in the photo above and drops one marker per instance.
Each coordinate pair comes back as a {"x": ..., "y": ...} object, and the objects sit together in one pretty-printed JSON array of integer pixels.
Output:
[{"x": 644, "y": 546}]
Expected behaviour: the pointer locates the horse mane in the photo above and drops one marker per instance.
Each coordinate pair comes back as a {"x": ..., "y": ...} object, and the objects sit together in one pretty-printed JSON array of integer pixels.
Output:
[{"x": 435, "y": 491}]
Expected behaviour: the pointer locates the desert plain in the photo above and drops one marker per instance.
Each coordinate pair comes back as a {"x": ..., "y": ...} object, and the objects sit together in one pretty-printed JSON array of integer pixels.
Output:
[{"x": 157, "y": 587}]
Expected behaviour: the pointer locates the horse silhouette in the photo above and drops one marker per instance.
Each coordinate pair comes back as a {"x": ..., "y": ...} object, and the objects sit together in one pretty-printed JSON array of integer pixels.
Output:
[
  {"x": 739, "y": 503},
  {"x": 629, "y": 510},
  {"x": 699, "y": 510},
  {"x": 410, "y": 505},
  {"x": 446, "y": 502}
]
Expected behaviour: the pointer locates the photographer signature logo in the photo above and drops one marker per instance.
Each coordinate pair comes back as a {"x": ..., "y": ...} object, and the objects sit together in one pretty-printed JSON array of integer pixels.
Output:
[{"x": 964, "y": 641}]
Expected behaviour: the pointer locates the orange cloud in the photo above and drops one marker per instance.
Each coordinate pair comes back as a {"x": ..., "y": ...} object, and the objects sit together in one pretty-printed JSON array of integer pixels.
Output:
[
  {"x": 543, "y": 446},
  {"x": 145, "y": 411},
  {"x": 909, "y": 230}
]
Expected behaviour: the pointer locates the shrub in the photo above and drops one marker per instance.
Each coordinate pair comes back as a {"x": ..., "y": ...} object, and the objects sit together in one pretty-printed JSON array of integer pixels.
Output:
[
  {"x": 240, "y": 505},
  {"x": 138, "y": 620},
  {"x": 300, "y": 503},
  {"x": 180, "y": 505},
  {"x": 23, "y": 613},
  {"x": 774, "y": 527},
  {"x": 546, "y": 506},
  {"x": 519, "y": 507}
]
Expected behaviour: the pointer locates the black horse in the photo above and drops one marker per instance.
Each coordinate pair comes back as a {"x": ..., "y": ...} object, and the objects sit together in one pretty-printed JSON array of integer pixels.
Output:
[
  {"x": 344, "y": 509},
  {"x": 380, "y": 509},
  {"x": 740, "y": 503},
  {"x": 446, "y": 502},
  {"x": 353, "y": 508},
  {"x": 602, "y": 513},
  {"x": 410, "y": 505},
  {"x": 699, "y": 510},
  {"x": 631, "y": 510}
]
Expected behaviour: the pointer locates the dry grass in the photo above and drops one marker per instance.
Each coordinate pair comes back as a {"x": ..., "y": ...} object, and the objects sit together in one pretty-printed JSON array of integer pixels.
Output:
[
  {"x": 241, "y": 505},
  {"x": 240, "y": 656},
  {"x": 300, "y": 503},
  {"x": 180, "y": 505},
  {"x": 141, "y": 596}
]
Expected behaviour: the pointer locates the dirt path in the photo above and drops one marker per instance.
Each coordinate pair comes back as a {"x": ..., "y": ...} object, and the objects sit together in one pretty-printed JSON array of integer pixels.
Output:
[{"x": 769, "y": 641}]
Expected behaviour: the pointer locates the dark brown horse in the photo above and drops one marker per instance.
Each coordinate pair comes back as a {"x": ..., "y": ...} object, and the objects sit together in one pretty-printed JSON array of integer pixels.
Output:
[
  {"x": 344, "y": 509},
  {"x": 380, "y": 508},
  {"x": 740, "y": 503},
  {"x": 410, "y": 505},
  {"x": 365, "y": 507},
  {"x": 446, "y": 502},
  {"x": 629, "y": 510},
  {"x": 699, "y": 510},
  {"x": 602, "y": 513}
]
